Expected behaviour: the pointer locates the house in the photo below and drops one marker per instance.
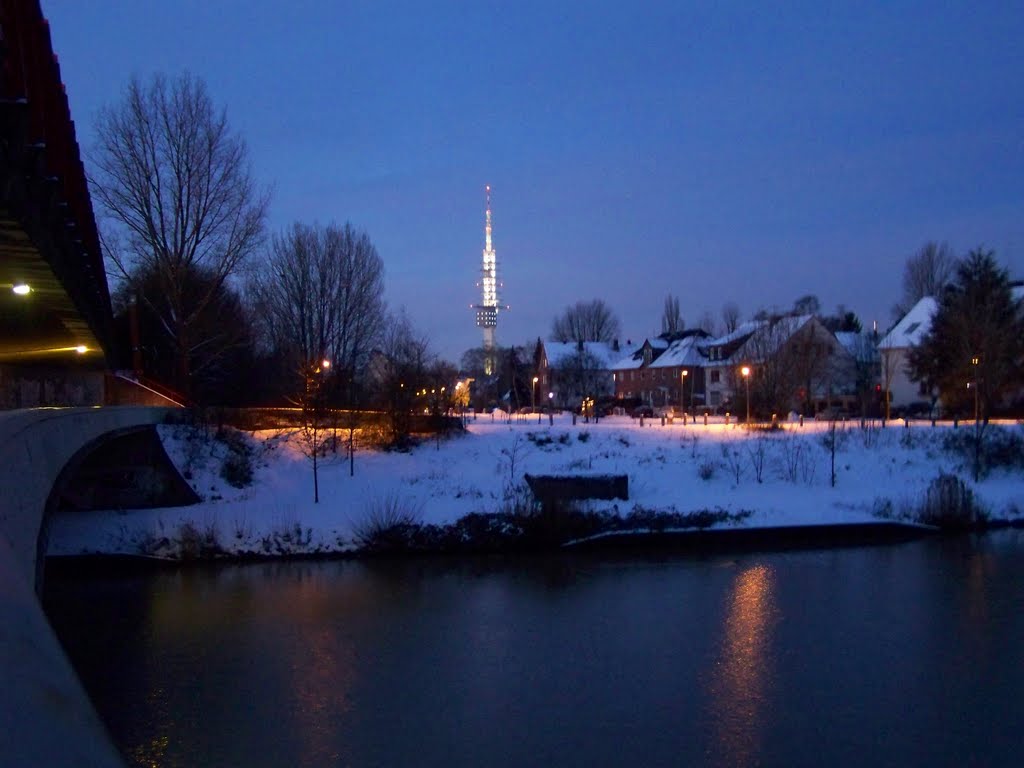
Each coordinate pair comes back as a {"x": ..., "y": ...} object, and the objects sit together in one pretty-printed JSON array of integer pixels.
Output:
[
  {"x": 719, "y": 363},
  {"x": 896, "y": 377},
  {"x": 897, "y": 380},
  {"x": 567, "y": 372},
  {"x": 664, "y": 373},
  {"x": 630, "y": 375},
  {"x": 793, "y": 362}
]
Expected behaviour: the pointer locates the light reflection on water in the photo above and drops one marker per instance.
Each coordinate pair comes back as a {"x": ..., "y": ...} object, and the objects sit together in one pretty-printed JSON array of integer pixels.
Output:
[{"x": 738, "y": 678}]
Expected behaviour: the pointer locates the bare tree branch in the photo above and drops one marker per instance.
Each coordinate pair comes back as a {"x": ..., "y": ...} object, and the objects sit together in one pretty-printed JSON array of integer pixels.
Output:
[{"x": 177, "y": 196}]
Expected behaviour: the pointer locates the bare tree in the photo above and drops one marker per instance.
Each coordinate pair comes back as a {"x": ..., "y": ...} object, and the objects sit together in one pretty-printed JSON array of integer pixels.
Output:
[
  {"x": 926, "y": 273},
  {"x": 706, "y": 322},
  {"x": 578, "y": 376},
  {"x": 586, "y": 321},
  {"x": 730, "y": 316},
  {"x": 400, "y": 371},
  {"x": 320, "y": 294},
  {"x": 807, "y": 305},
  {"x": 671, "y": 320},
  {"x": 177, "y": 194}
]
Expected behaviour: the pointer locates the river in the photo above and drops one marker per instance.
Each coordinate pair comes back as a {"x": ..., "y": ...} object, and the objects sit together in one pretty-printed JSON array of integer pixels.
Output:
[{"x": 907, "y": 654}]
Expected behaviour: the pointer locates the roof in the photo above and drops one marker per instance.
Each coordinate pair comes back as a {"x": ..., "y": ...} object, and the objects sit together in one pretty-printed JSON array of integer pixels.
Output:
[
  {"x": 559, "y": 352},
  {"x": 680, "y": 353},
  {"x": 909, "y": 331},
  {"x": 742, "y": 330}
]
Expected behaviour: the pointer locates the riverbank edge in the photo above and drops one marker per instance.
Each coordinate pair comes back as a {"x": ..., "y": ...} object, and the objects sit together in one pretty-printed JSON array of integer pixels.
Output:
[{"x": 631, "y": 543}]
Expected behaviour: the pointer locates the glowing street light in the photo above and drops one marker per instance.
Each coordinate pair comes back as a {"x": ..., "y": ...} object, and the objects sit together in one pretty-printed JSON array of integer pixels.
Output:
[
  {"x": 81, "y": 349},
  {"x": 745, "y": 370},
  {"x": 533, "y": 393},
  {"x": 22, "y": 289},
  {"x": 974, "y": 363}
]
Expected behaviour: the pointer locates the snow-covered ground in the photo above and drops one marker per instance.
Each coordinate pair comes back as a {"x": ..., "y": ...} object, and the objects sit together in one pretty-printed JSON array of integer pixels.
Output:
[{"x": 670, "y": 468}]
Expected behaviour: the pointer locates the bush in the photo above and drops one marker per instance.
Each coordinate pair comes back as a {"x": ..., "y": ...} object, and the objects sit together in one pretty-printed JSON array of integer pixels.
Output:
[
  {"x": 237, "y": 470},
  {"x": 1001, "y": 447},
  {"x": 388, "y": 524},
  {"x": 950, "y": 504},
  {"x": 706, "y": 470},
  {"x": 583, "y": 436}
]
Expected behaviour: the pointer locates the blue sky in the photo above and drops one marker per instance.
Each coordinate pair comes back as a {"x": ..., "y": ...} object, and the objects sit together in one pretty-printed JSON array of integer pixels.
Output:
[{"x": 716, "y": 151}]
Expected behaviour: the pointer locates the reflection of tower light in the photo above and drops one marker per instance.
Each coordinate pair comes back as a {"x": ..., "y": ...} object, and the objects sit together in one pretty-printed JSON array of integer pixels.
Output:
[{"x": 487, "y": 309}]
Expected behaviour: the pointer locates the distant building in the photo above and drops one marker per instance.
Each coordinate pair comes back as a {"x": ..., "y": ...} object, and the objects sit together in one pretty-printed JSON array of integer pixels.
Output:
[
  {"x": 571, "y": 371},
  {"x": 896, "y": 378},
  {"x": 664, "y": 373}
]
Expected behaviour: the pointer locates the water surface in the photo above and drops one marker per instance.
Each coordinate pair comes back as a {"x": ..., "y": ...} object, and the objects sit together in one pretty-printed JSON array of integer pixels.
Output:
[{"x": 909, "y": 654}]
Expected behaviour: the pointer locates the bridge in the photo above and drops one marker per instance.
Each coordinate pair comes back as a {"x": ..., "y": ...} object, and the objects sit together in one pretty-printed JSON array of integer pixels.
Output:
[
  {"x": 56, "y": 347},
  {"x": 56, "y": 327}
]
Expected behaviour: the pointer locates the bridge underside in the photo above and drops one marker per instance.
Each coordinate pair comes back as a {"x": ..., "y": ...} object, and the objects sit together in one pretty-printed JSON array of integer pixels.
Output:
[{"x": 54, "y": 302}]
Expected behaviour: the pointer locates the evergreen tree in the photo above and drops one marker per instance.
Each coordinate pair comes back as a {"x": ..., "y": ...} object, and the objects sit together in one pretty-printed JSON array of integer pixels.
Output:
[{"x": 976, "y": 338}]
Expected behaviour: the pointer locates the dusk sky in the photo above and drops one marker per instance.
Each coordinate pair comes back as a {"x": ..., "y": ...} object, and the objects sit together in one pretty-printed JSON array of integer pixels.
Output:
[{"x": 715, "y": 151}]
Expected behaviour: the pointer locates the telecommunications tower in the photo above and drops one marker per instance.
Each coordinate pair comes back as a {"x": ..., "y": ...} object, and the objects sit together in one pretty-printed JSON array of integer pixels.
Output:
[{"x": 487, "y": 309}]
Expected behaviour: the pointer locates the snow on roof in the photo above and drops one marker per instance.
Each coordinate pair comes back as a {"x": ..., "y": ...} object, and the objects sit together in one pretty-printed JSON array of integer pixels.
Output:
[
  {"x": 909, "y": 331},
  {"x": 769, "y": 337},
  {"x": 682, "y": 352},
  {"x": 743, "y": 329},
  {"x": 629, "y": 361},
  {"x": 559, "y": 352},
  {"x": 850, "y": 340}
]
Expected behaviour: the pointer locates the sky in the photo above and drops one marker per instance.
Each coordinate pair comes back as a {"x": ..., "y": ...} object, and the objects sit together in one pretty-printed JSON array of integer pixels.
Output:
[{"x": 716, "y": 151}]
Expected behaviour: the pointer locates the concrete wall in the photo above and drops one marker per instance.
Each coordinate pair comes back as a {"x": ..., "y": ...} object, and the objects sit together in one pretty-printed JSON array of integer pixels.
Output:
[
  {"x": 42, "y": 386},
  {"x": 35, "y": 445},
  {"x": 45, "y": 715}
]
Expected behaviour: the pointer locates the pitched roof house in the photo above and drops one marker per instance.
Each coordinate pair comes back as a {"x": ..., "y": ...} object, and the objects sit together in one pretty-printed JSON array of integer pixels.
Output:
[{"x": 566, "y": 372}]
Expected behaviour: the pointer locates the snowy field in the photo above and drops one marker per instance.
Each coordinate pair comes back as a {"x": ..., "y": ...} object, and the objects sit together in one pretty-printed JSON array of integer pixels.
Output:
[{"x": 781, "y": 478}]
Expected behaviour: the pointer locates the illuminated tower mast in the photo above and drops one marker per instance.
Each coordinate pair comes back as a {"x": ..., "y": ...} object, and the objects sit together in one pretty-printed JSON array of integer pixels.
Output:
[{"x": 487, "y": 309}]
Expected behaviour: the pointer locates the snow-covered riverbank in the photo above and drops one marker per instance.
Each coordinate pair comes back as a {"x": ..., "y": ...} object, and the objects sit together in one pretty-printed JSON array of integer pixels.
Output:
[{"x": 779, "y": 478}]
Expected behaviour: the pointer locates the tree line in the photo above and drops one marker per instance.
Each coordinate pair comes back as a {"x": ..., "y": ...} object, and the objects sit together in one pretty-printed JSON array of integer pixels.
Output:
[{"x": 211, "y": 305}]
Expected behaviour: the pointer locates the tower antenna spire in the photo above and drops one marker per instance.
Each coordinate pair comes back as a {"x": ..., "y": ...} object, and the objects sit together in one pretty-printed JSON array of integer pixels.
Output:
[{"x": 487, "y": 309}]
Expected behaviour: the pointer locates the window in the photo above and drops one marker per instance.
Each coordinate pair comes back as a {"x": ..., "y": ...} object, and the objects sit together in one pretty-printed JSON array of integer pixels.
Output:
[
  {"x": 715, "y": 377},
  {"x": 912, "y": 327}
]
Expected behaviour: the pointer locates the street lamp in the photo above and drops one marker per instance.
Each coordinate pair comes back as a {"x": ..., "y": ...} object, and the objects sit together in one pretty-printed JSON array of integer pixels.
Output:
[
  {"x": 533, "y": 393},
  {"x": 682, "y": 390},
  {"x": 551, "y": 408},
  {"x": 974, "y": 362},
  {"x": 745, "y": 370}
]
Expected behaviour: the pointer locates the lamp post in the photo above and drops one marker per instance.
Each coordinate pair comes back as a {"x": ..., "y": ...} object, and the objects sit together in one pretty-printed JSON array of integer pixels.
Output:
[
  {"x": 551, "y": 408},
  {"x": 974, "y": 363},
  {"x": 533, "y": 393},
  {"x": 745, "y": 370},
  {"x": 682, "y": 393}
]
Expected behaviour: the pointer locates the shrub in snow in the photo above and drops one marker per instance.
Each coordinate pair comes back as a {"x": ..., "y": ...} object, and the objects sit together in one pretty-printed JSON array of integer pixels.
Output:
[
  {"x": 706, "y": 470},
  {"x": 999, "y": 447},
  {"x": 757, "y": 450},
  {"x": 733, "y": 461},
  {"x": 193, "y": 543},
  {"x": 950, "y": 504},
  {"x": 583, "y": 436},
  {"x": 386, "y": 523},
  {"x": 236, "y": 469}
]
